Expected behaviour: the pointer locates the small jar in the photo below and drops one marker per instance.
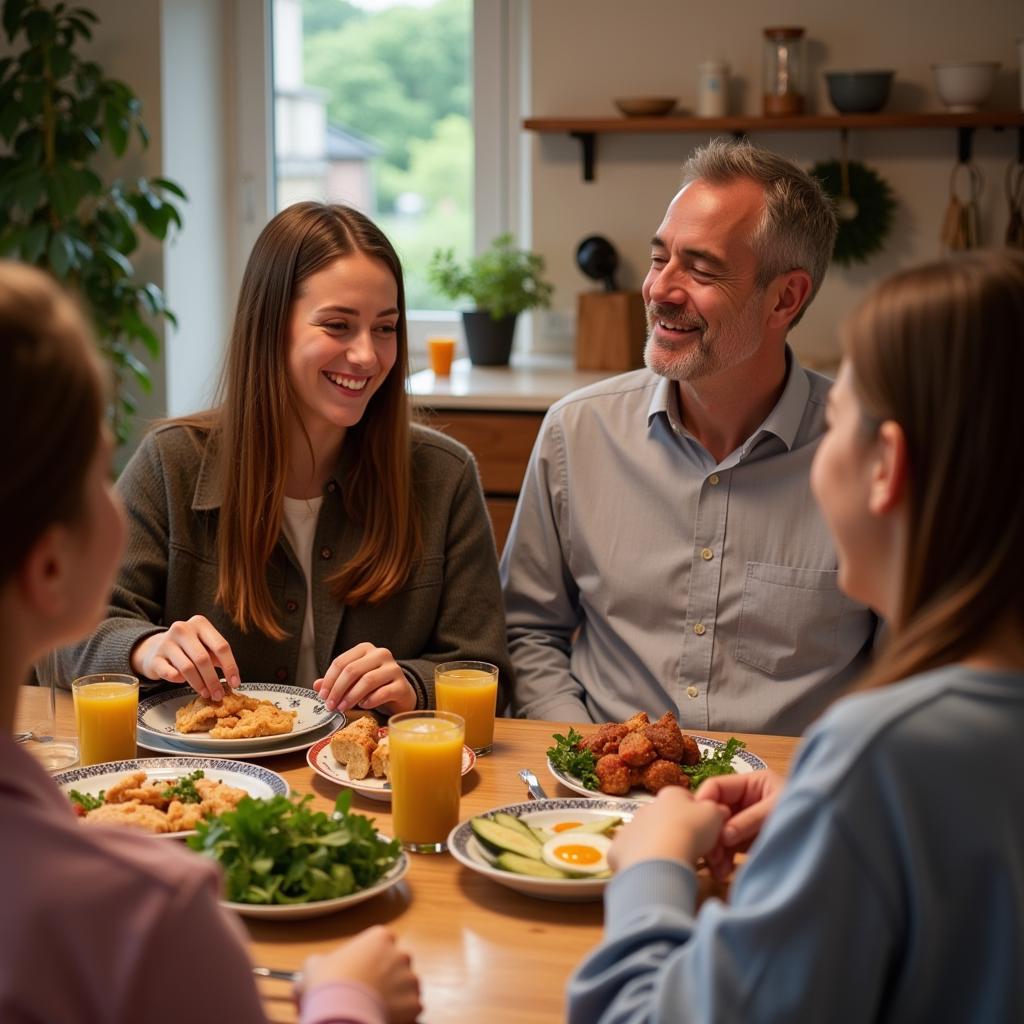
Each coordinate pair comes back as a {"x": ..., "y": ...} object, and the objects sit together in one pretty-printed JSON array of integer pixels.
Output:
[
  {"x": 783, "y": 71},
  {"x": 712, "y": 88}
]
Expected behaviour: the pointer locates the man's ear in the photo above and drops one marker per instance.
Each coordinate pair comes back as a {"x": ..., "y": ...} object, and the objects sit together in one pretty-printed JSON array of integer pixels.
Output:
[
  {"x": 43, "y": 575},
  {"x": 889, "y": 473},
  {"x": 790, "y": 292}
]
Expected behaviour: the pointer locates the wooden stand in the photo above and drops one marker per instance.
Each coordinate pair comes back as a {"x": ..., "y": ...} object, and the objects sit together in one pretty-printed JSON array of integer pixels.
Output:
[{"x": 610, "y": 331}]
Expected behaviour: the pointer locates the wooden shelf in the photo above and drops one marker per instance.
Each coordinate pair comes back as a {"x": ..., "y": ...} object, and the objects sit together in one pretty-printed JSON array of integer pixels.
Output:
[{"x": 586, "y": 129}]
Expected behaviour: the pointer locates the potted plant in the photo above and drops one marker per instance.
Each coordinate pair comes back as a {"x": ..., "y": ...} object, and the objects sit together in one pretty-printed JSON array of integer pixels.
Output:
[
  {"x": 58, "y": 208},
  {"x": 502, "y": 283}
]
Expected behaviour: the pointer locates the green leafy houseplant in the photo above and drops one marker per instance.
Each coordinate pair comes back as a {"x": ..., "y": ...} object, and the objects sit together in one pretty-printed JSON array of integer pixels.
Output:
[
  {"x": 502, "y": 282},
  {"x": 60, "y": 119}
]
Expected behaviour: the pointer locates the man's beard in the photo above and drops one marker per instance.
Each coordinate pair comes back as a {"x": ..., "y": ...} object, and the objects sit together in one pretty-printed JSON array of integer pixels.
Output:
[{"x": 692, "y": 359}]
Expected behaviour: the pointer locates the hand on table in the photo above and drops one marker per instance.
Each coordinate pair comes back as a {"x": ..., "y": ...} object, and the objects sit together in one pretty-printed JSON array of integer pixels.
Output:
[
  {"x": 674, "y": 827},
  {"x": 188, "y": 652},
  {"x": 372, "y": 959},
  {"x": 749, "y": 798},
  {"x": 369, "y": 677}
]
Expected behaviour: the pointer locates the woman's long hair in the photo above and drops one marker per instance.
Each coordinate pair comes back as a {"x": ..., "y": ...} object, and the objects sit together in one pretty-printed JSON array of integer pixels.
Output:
[
  {"x": 51, "y": 409},
  {"x": 940, "y": 350},
  {"x": 248, "y": 428}
]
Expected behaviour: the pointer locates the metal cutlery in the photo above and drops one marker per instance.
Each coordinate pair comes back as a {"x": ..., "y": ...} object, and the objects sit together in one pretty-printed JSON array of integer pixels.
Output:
[
  {"x": 273, "y": 972},
  {"x": 24, "y": 737},
  {"x": 535, "y": 788}
]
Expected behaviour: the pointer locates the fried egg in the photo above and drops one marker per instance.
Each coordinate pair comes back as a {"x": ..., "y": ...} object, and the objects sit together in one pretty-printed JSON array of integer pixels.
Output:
[{"x": 580, "y": 853}]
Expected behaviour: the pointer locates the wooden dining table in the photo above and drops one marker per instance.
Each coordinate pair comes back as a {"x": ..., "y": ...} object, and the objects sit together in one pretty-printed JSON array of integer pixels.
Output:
[{"x": 482, "y": 951}]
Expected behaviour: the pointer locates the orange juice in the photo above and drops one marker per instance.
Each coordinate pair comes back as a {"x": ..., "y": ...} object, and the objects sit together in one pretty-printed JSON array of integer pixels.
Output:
[
  {"x": 426, "y": 777},
  {"x": 440, "y": 352},
  {"x": 106, "y": 709},
  {"x": 469, "y": 689}
]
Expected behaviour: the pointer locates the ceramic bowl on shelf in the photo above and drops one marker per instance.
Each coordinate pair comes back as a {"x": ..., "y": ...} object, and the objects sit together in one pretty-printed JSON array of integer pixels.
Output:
[
  {"x": 964, "y": 85},
  {"x": 645, "y": 106},
  {"x": 859, "y": 92}
]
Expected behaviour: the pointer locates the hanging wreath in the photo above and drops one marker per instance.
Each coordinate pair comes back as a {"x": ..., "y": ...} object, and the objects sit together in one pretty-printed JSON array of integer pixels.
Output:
[{"x": 864, "y": 226}]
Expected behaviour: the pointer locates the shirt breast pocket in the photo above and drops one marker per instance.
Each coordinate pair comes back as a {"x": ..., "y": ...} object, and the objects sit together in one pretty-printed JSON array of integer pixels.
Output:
[{"x": 789, "y": 619}]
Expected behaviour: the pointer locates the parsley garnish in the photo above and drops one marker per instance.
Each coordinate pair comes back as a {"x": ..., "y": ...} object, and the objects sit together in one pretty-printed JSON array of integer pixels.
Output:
[
  {"x": 85, "y": 801},
  {"x": 282, "y": 851},
  {"x": 185, "y": 788},
  {"x": 717, "y": 763},
  {"x": 580, "y": 763}
]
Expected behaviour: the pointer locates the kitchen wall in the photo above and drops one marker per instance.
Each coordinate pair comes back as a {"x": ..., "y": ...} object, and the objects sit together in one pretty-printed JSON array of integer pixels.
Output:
[{"x": 587, "y": 51}]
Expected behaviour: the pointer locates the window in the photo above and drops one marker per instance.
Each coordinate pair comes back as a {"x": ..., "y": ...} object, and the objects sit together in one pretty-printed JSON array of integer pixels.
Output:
[{"x": 373, "y": 108}]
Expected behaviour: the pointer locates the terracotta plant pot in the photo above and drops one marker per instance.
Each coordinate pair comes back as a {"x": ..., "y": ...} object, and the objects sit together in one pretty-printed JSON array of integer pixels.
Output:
[{"x": 489, "y": 341}]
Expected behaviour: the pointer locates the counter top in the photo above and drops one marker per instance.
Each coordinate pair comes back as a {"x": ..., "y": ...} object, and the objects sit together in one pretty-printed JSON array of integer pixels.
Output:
[{"x": 529, "y": 384}]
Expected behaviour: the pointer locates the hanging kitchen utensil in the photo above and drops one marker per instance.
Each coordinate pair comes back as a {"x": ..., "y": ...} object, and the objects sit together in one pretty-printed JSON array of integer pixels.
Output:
[
  {"x": 1015, "y": 200},
  {"x": 960, "y": 228}
]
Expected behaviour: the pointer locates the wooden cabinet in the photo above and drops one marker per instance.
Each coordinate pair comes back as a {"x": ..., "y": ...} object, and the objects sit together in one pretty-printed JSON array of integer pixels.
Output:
[{"x": 501, "y": 442}]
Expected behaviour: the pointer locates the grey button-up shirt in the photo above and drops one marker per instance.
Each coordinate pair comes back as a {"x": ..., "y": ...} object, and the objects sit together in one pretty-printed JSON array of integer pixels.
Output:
[{"x": 704, "y": 588}]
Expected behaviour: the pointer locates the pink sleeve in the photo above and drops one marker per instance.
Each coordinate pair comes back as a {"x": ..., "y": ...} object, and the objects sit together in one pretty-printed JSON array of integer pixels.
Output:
[
  {"x": 198, "y": 940},
  {"x": 343, "y": 1002}
]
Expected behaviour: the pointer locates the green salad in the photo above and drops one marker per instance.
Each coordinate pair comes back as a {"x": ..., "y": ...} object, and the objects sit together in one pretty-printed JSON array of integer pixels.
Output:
[{"x": 282, "y": 851}]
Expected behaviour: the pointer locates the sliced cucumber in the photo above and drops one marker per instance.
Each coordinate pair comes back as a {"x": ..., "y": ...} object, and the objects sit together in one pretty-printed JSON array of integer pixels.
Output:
[
  {"x": 514, "y": 823},
  {"x": 542, "y": 835},
  {"x": 527, "y": 866},
  {"x": 501, "y": 839},
  {"x": 599, "y": 826}
]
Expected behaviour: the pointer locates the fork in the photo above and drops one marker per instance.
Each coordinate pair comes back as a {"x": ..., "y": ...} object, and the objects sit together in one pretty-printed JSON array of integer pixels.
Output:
[
  {"x": 535, "y": 788},
  {"x": 273, "y": 972}
]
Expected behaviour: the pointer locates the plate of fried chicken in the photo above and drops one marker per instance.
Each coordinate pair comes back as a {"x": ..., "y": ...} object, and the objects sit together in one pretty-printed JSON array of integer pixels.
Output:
[
  {"x": 246, "y": 718},
  {"x": 637, "y": 758}
]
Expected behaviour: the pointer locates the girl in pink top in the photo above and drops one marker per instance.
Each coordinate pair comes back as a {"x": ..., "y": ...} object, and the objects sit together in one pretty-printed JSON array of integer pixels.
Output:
[{"x": 102, "y": 926}]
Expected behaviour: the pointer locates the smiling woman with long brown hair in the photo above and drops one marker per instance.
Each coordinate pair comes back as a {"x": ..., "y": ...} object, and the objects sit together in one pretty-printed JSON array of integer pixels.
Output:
[{"x": 307, "y": 471}]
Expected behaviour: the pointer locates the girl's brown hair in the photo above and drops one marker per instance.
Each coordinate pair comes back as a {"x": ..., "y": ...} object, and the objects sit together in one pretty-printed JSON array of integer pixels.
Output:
[
  {"x": 248, "y": 426},
  {"x": 940, "y": 350},
  {"x": 51, "y": 409}
]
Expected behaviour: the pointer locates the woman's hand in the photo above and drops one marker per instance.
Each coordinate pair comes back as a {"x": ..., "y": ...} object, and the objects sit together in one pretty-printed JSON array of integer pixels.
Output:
[
  {"x": 674, "y": 827},
  {"x": 371, "y": 959},
  {"x": 749, "y": 797},
  {"x": 369, "y": 677},
  {"x": 188, "y": 652}
]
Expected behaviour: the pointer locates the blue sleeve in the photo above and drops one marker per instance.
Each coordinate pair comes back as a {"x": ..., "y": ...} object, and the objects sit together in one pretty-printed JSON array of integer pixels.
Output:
[{"x": 808, "y": 934}]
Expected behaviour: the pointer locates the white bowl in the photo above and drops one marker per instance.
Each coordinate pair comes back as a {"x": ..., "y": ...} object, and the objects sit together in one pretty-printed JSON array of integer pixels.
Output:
[{"x": 962, "y": 85}]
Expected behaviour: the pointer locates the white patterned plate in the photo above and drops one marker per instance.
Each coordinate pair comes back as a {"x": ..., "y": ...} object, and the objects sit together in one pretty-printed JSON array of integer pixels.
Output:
[
  {"x": 258, "y": 782},
  {"x": 322, "y": 761},
  {"x": 743, "y": 761},
  {"x": 464, "y": 846},
  {"x": 156, "y": 717},
  {"x": 297, "y": 911},
  {"x": 166, "y": 746}
]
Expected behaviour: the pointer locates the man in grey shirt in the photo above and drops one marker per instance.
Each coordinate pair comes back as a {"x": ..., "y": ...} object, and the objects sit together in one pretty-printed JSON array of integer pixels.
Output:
[{"x": 666, "y": 553}]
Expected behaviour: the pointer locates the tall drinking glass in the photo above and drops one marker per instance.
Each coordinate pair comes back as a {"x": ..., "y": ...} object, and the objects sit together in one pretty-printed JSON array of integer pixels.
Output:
[
  {"x": 426, "y": 777},
  {"x": 106, "y": 711},
  {"x": 52, "y": 742},
  {"x": 470, "y": 689}
]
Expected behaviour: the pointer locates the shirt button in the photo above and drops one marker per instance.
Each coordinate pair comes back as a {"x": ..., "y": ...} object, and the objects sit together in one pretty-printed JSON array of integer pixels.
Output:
[
  {"x": 707, "y": 554},
  {"x": 291, "y": 606},
  {"x": 713, "y": 479},
  {"x": 692, "y": 691},
  {"x": 281, "y": 675},
  {"x": 331, "y": 487},
  {"x": 700, "y": 629},
  {"x": 325, "y": 553}
]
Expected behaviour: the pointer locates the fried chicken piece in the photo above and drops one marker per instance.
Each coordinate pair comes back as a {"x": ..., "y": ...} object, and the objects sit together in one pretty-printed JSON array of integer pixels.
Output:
[
  {"x": 661, "y": 773},
  {"x": 264, "y": 720},
  {"x": 217, "y": 796},
  {"x": 605, "y": 740},
  {"x": 134, "y": 815},
  {"x": 637, "y": 722},
  {"x": 183, "y": 817},
  {"x": 613, "y": 775},
  {"x": 691, "y": 752},
  {"x": 201, "y": 714},
  {"x": 636, "y": 749},
  {"x": 127, "y": 788}
]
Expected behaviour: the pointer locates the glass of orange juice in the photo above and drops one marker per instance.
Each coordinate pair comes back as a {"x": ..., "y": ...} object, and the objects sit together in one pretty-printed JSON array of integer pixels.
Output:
[
  {"x": 426, "y": 777},
  {"x": 106, "y": 710},
  {"x": 441, "y": 352},
  {"x": 470, "y": 689}
]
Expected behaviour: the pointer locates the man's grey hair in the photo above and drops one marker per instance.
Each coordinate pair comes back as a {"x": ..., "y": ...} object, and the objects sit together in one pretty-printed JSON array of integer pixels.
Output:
[{"x": 798, "y": 228}]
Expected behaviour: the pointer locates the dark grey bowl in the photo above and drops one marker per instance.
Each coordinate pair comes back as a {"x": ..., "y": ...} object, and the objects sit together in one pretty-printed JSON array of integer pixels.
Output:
[{"x": 859, "y": 92}]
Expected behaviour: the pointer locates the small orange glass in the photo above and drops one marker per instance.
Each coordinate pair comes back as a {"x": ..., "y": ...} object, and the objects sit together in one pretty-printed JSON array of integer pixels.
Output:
[{"x": 441, "y": 352}]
